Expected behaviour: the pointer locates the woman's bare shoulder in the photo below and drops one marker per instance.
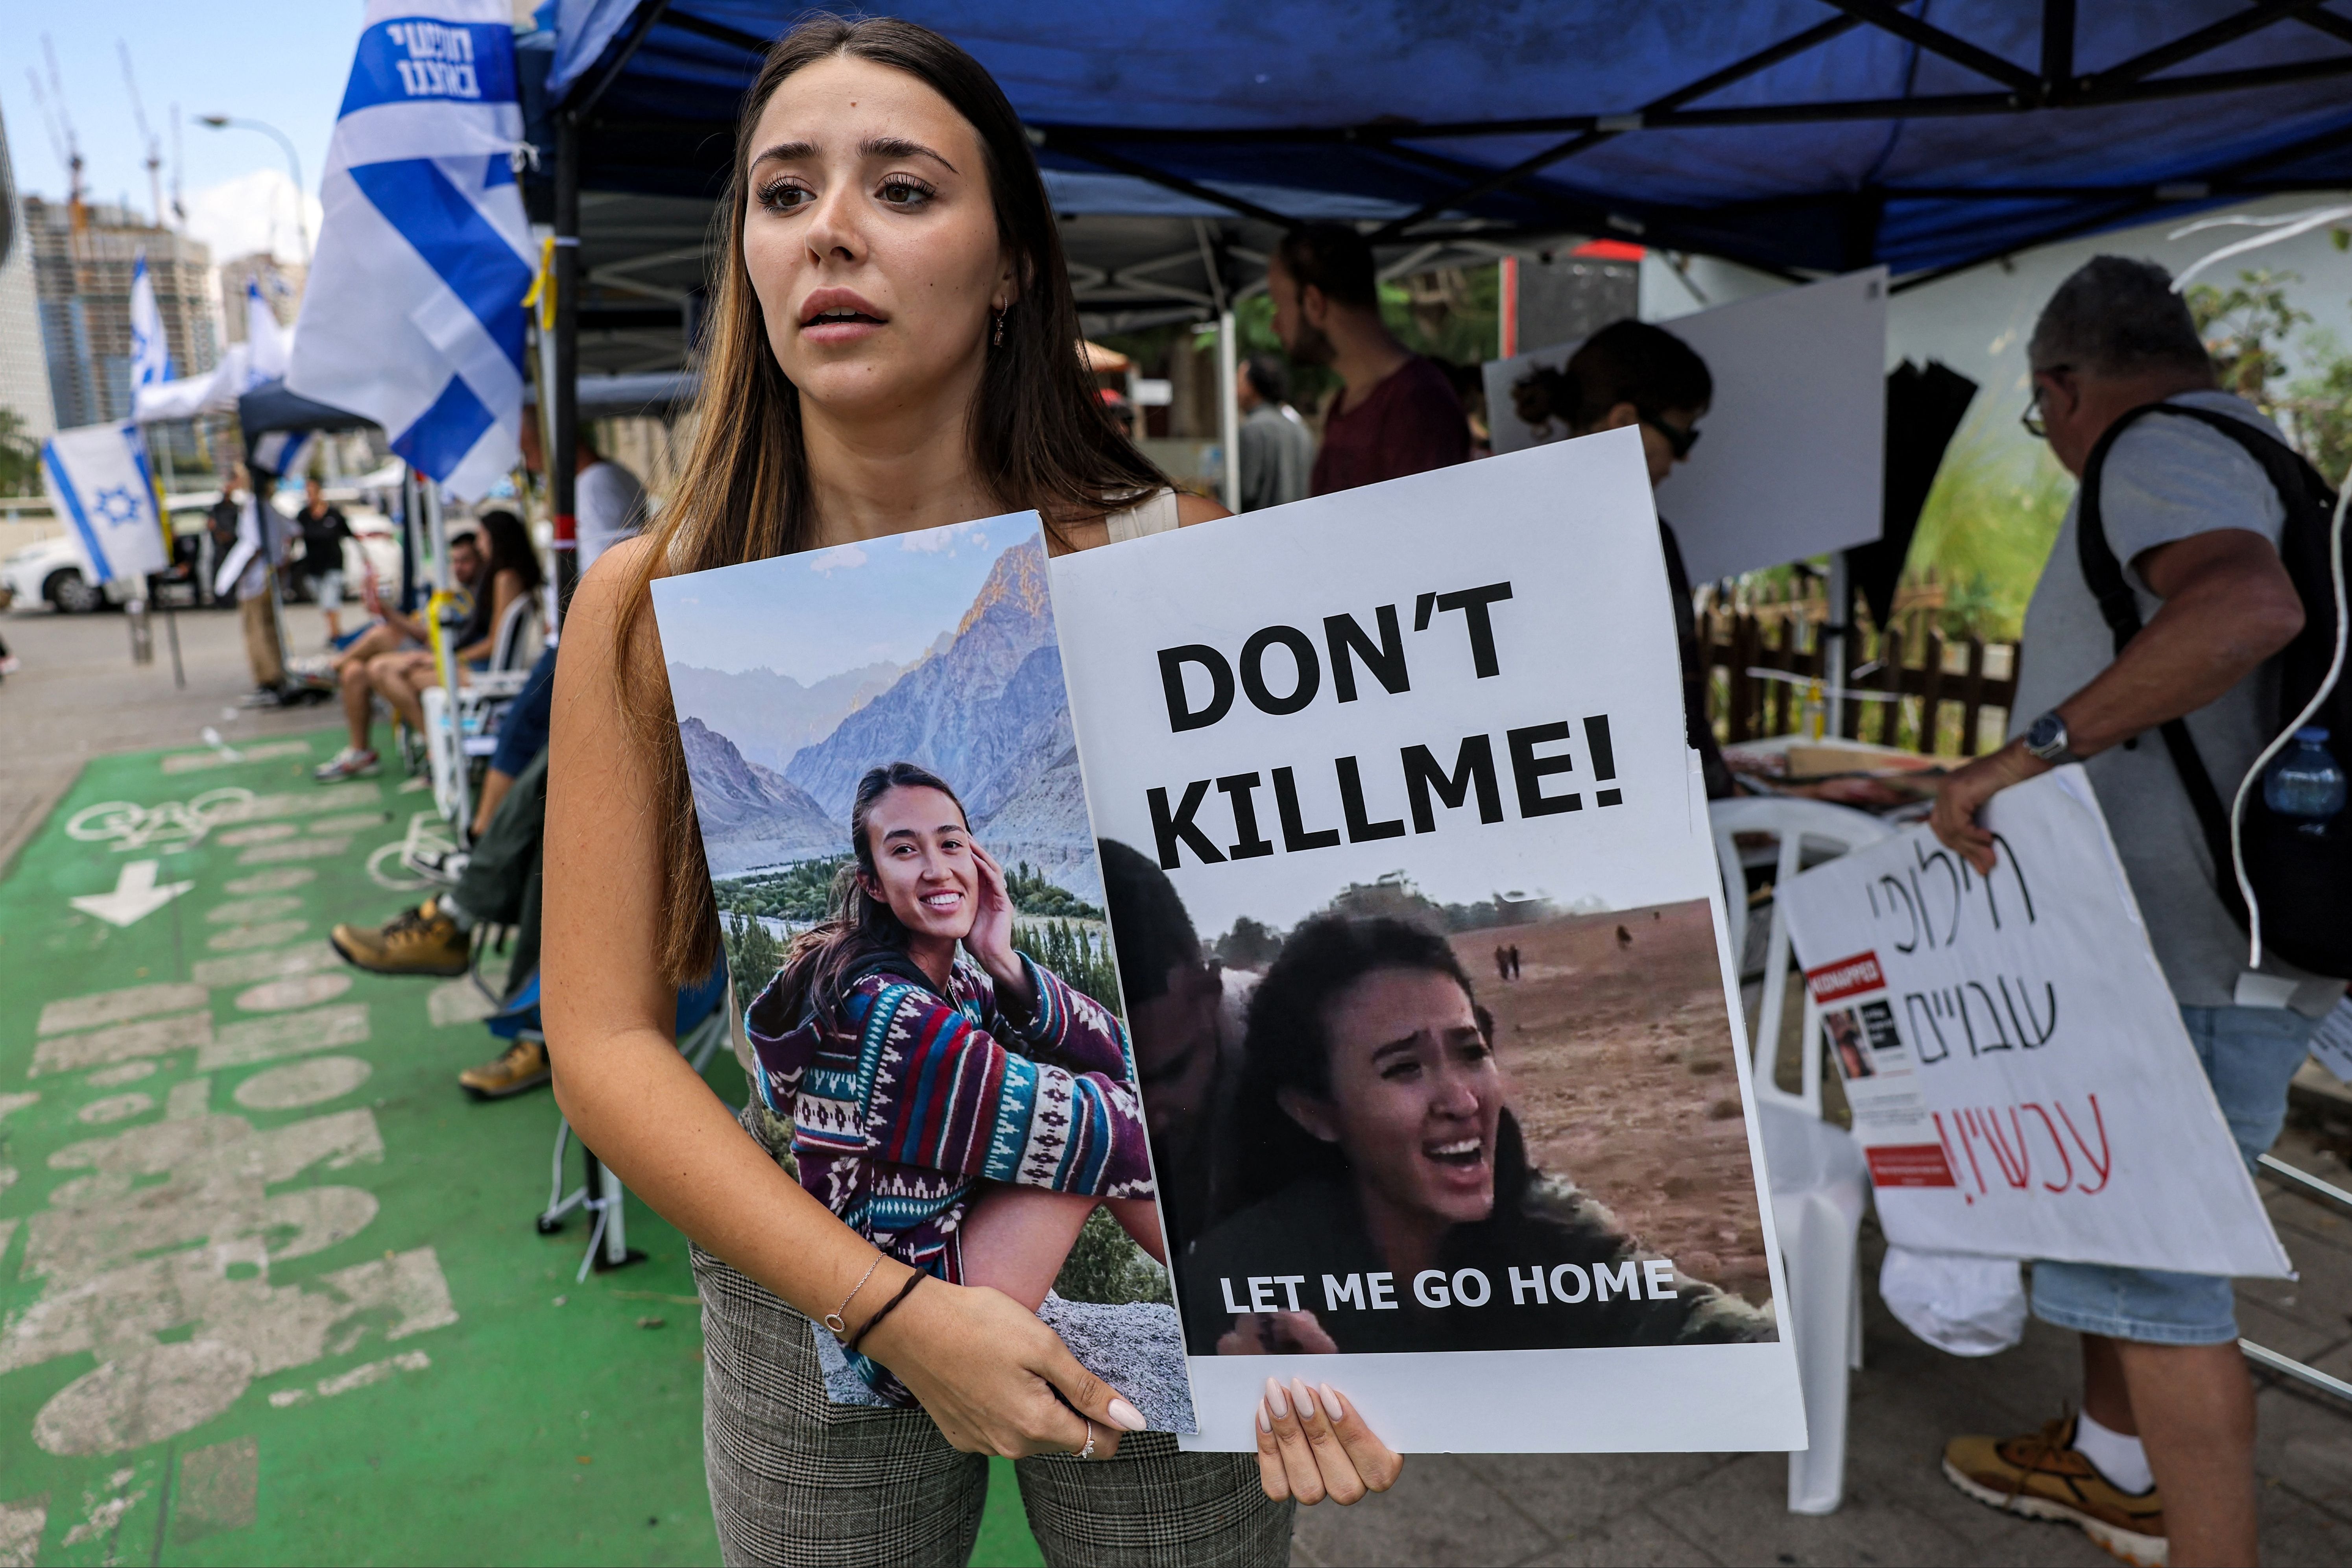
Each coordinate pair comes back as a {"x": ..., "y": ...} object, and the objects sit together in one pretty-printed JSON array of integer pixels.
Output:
[{"x": 1191, "y": 509}]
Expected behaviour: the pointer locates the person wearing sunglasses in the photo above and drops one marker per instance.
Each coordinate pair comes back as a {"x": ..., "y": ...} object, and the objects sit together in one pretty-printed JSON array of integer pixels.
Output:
[{"x": 1632, "y": 373}]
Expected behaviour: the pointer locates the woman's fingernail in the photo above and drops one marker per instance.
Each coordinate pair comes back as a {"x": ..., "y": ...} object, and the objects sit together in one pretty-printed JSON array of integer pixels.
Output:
[
  {"x": 1276, "y": 1400},
  {"x": 1263, "y": 1424},
  {"x": 1331, "y": 1405},
  {"x": 1125, "y": 1415},
  {"x": 1306, "y": 1397}
]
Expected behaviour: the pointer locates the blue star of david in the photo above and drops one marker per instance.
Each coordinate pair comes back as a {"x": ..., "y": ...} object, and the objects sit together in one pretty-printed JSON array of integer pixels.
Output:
[{"x": 119, "y": 504}]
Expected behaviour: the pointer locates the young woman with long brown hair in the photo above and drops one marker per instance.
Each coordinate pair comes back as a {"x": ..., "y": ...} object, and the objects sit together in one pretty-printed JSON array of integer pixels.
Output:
[{"x": 893, "y": 347}]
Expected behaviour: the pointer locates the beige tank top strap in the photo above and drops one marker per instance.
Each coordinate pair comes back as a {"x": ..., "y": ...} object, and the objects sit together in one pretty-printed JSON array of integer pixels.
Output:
[{"x": 1156, "y": 515}]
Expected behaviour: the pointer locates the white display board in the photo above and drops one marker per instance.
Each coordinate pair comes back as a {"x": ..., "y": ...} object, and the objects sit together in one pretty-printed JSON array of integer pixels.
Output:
[
  {"x": 1447, "y": 703},
  {"x": 2021, "y": 1078},
  {"x": 1790, "y": 460}
]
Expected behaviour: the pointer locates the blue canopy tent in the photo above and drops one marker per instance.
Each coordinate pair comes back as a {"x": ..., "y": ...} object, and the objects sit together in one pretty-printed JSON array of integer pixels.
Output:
[
  {"x": 1803, "y": 137},
  {"x": 1795, "y": 135}
]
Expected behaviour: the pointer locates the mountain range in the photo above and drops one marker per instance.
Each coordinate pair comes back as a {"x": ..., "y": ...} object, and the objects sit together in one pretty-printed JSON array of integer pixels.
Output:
[
  {"x": 984, "y": 708},
  {"x": 771, "y": 717},
  {"x": 751, "y": 816}
]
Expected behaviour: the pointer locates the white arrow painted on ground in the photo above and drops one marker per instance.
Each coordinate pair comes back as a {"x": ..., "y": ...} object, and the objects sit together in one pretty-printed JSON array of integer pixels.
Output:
[{"x": 136, "y": 896}]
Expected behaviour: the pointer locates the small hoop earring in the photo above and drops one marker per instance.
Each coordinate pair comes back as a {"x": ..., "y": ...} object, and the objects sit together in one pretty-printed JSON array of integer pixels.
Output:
[{"x": 998, "y": 340}]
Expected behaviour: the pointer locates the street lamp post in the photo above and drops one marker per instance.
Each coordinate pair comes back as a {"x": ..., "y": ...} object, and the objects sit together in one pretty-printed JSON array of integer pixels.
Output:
[{"x": 293, "y": 160}]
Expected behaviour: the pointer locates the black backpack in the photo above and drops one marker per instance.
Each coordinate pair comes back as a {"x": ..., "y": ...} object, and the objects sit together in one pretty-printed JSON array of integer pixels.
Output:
[{"x": 2301, "y": 885}]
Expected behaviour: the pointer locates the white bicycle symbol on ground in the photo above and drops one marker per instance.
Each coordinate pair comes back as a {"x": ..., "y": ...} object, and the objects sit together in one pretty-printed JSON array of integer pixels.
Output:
[{"x": 172, "y": 826}]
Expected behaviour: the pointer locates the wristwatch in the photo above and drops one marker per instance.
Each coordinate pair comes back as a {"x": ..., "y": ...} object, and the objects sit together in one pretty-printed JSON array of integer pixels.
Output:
[{"x": 2046, "y": 738}]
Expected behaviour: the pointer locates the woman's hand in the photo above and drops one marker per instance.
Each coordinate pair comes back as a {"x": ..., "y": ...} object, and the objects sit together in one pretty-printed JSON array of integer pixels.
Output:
[
  {"x": 987, "y": 1371},
  {"x": 990, "y": 939},
  {"x": 1311, "y": 1444}
]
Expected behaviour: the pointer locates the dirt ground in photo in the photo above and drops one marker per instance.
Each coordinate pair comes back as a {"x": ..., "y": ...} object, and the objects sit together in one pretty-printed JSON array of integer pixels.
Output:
[{"x": 1619, "y": 1053}]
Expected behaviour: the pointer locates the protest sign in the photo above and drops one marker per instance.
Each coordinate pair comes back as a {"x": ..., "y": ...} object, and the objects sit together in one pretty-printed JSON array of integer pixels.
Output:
[
  {"x": 2021, "y": 1079},
  {"x": 1421, "y": 933},
  {"x": 1792, "y": 451},
  {"x": 953, "y": 1068}
]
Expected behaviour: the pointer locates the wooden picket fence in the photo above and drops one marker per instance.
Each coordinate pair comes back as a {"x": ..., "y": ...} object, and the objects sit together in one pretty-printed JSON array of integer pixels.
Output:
[{"x": 1908, "y": 686}]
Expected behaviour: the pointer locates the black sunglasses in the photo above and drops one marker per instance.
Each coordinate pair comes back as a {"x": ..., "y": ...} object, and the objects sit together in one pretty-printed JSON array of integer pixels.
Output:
[{"x": 1681, "y": 440}]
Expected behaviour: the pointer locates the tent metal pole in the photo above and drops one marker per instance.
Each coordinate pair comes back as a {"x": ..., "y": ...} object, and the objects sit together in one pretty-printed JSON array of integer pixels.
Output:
[
  {"x": 563, "y": 397},
  {"x": 1833, "y": 643},
  {"x": 1229, "y": 406}
]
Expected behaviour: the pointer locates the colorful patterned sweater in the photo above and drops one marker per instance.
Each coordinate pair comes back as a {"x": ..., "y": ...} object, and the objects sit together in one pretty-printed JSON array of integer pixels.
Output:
[{"x": 901, "y": 1099}]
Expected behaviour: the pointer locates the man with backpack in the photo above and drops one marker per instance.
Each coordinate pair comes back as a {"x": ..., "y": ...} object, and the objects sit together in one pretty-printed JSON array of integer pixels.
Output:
[{"x": 2166, "y": 646}]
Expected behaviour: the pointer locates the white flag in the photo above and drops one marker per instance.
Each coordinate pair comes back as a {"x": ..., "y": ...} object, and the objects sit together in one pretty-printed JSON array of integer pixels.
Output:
[
  {"x": 98, "y": 480},
  {"x": 412, "y": 314},
  {"x": 151, "y": 352},
  {"x": 269, "y": 347}
]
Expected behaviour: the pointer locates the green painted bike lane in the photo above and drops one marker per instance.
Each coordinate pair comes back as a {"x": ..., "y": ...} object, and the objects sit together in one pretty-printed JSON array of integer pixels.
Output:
[{"x": 269, "y": 1286}]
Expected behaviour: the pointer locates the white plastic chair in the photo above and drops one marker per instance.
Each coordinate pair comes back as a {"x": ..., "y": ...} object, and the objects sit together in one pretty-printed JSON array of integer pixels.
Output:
[{"x": 1819, "y": 1180}]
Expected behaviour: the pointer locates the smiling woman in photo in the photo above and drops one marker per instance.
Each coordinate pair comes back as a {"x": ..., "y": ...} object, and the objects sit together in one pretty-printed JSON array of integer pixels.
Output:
[
  {"x": 1378, "y": 1152},
  {"x": 976, "y": 1153}
]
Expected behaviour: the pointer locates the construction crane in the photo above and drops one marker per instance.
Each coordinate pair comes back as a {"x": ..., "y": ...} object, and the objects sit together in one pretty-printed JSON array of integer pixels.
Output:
[
  {"x": 62, "y": 140},
  {"x": 179, "y": 208},
  {"x": 154, "y": 143}
]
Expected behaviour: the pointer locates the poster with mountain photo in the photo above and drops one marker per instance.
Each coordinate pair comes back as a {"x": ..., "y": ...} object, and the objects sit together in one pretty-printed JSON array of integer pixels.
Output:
[
  {"x": 930, "y": 1001},
  {"x": 1424, "y": 952}
]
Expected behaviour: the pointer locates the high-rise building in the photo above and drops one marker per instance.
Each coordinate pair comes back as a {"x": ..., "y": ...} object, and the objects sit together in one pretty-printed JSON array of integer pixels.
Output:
[
  {"x": 281, "y": 285},
  {"x": 81, "y": 272},
  {"x": 24, "y": 371}
]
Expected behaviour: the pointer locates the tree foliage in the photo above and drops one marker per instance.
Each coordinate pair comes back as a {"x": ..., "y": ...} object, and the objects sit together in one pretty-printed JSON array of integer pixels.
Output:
[{"x": 20, "y": 456}]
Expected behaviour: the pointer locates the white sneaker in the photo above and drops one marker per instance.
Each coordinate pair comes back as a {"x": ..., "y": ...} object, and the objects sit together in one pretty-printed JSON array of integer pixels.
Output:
[
  {"x": 351, "y": 762},
  {"x": 444, "y": 866}
]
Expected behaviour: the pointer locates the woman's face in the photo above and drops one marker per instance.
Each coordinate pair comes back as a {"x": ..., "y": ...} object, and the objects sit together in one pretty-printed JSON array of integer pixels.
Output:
[
  {"x": 871, "y": 239},
  {"x": 1416, "y": 1094},
  {"x": 922, "y": 862}
]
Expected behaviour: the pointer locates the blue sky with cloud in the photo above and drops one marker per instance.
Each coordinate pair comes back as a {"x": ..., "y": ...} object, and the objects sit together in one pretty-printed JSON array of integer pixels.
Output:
[{"x": 814, "y": 615}]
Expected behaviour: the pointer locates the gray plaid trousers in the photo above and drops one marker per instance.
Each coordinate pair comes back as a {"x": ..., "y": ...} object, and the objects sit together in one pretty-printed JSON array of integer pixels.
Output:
[{"x": 796, "y": 1478}]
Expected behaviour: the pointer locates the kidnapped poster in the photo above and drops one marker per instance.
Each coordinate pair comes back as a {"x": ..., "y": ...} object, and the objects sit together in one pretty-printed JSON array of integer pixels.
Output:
[
  {"x": 1420, "y": 930},
  {"x": 885, "y": 775}
]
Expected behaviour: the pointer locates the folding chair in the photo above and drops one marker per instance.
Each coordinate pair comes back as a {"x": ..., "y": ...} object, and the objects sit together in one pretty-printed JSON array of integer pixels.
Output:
[{"x": 704, "y": 1019}]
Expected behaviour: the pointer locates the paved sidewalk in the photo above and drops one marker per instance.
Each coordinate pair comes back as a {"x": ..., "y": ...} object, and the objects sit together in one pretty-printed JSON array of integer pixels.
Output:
[{"x": 78, "y": 695}]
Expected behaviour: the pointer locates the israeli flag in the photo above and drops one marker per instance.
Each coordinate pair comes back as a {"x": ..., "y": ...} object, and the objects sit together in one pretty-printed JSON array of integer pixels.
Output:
[
  {"x": 412, "y": 314},
  {"x": 150, "y": 351},
  {"x": 98, "y": 480}
]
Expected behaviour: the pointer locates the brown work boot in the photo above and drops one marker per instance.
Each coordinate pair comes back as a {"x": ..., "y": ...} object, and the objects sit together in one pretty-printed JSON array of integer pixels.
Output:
[
  {"x": 419, "y": 941},
  {"x": 2041, "y": 1475},
  {"x": 524, "y": 1066}
]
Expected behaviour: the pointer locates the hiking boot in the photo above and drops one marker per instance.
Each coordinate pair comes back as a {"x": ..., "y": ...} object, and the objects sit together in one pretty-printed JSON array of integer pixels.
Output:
[
  {"x": 419, "y": 941},
  {"x": 2041, "y": 1475},
  {"x": 524, "y": 1066},
  {"x": 351, "y": 762}
]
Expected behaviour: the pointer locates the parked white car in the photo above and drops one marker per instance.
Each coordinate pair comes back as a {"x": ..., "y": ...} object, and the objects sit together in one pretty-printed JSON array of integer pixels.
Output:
[{"x": 51, "y": 572}]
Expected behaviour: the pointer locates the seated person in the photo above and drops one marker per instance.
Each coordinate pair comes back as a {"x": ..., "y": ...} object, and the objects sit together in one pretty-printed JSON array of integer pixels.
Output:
[
  {"x": 1375, "y": 1148},
  {"x": 497, "y": 884},
  {"x": 510, "y": 570},
  {"x": 978, "y": 1152},
  {"x": 393, "y": 633}
]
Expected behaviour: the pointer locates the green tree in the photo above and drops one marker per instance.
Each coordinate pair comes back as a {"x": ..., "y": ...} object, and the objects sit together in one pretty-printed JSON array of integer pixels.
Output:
[
  {"x": 2246, "y": 327},
  {"x": 752, "y": 956},
  {"x": 20, "y": 456}
]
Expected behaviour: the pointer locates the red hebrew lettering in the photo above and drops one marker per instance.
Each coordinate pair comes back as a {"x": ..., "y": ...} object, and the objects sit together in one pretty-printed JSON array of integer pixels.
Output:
[
  {"x": 1967, "y": 1123},
  {"x": 2056, "y": 1142},
  {"x": 2016, "y": 1166},
  {"x": 1951, "y": 1160},
  {"x": 2103, "y": 1161}
]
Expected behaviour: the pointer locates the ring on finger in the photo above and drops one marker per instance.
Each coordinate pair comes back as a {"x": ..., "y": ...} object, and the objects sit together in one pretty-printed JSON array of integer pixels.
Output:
[{"x": 1088, "y": 1451}]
